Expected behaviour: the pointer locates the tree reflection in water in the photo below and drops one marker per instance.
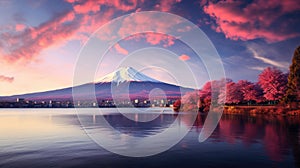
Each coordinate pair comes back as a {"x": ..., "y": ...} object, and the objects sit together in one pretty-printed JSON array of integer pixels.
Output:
[{"x": 278, "y": 134}]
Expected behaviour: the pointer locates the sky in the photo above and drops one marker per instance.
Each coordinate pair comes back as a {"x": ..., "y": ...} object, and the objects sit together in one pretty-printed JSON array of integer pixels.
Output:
[{"x": 41, "y": 40}]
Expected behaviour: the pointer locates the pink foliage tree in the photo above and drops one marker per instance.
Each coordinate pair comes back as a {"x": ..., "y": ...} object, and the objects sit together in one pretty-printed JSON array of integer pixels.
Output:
[
  {"x": 251, "y": 91},
  {"x": 211, "y": 91},
  {"x": 205, "y": 93},
  {"x": 205, "y": 97},
  {"x": 190, "y": 101},
  {"x": 273, "y": 82},
  {"x": 233, "y": 94},
  {"x": 201, "y": 100}
]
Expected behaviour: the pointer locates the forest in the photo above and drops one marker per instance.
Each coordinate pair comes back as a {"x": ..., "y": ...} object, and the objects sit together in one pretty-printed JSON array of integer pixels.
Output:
[{"x": 273, "y": 88}]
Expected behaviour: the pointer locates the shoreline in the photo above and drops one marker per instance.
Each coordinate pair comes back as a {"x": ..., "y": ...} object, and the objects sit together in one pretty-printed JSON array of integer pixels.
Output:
[
  {"x": 264, "y": 110},
  {"x": 238, "y": 109}
]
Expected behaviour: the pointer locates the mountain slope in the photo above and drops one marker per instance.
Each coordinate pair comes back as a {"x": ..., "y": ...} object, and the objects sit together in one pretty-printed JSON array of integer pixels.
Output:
[{"x": 121, "y": 82}]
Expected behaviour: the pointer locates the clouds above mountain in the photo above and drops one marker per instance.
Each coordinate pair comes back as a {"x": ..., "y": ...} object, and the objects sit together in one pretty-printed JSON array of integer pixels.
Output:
[
  {"x": 272, "y": 20},
  {"x": 93, "y": 6},
  {"x": 22, "y": 43},
  {"x": 26, "y": 44},
  {"x": 166, "y": 5}
]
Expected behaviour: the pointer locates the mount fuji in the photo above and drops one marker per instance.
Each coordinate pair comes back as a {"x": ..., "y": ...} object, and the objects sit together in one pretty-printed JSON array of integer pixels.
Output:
[
  {"x": 138, "y": 85},
  {"x": 126, "y": 74}
]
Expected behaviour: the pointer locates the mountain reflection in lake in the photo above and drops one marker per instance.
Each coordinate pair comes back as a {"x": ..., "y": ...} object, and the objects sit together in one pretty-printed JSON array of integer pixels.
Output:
[{"x": 55, "y": 138}]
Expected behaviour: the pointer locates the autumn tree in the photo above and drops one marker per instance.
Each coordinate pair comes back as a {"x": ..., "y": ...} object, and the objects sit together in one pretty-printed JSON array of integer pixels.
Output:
[
  {"x": 251, "y": 91},
  {"x": 177, "y": 105},
  {"x": 205, "y": 96},
  {"x": 273, "y": 82},
  {"x": 293, "y": 85},
  {"x": 211, "y": 91},
  {"x": 201, "y": 100},
  {"x": 243, "y": 86},
  {"x": 232, "y": 95},
  {"x": 190, "y": 101}
]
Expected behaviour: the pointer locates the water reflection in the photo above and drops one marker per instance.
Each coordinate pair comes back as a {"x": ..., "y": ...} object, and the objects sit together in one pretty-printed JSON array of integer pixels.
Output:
[
  {"x": 55, "y": 138},
  {"x": 279, "y": 135},
  {"x": 125, "y": 136}
]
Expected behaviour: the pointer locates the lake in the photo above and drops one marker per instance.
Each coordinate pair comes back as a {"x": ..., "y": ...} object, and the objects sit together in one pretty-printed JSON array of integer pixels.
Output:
[{"x": 56, "y": 138}]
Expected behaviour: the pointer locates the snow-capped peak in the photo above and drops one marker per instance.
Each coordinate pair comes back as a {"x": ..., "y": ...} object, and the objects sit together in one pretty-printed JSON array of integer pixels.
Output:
[{"x": 125, "y": 74}]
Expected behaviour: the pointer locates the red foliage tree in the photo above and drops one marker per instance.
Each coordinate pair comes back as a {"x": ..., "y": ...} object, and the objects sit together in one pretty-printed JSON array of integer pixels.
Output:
[
  {"x": 233, "y": 94},
  {"x": 205, "y": 95},
  {"x": 211, "y": 91},
  {"x": 273, "y": 82},
  {"x": 251, "y": 92},
  {"x": 177, "y": 105}
]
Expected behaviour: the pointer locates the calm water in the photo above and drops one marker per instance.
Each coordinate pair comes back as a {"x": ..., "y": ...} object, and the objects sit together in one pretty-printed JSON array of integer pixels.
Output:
[{"x": 55, "y": 138}]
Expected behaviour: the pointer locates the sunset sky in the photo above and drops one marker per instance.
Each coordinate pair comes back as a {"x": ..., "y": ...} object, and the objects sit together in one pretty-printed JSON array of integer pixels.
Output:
[{"x": 40, "y": 40}]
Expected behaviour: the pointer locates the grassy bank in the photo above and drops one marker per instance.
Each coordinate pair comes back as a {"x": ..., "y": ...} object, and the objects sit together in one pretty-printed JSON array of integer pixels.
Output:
[{"x": 254, "y": 110}]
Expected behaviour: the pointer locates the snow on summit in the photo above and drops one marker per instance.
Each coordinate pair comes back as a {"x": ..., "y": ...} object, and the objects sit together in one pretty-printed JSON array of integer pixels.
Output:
[{"x": 126, "y": 74}]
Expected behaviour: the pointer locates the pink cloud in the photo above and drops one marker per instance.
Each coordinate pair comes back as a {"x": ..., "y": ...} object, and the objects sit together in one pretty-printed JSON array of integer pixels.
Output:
[
  {"x": 90, "y": 23},
  {"x": 140, "y": 23},
  {"x": 95, "y": 5},
  {"x": 70, "y": 1},
  {"x": 156, "y": 38},
  {"x": 166, "y": 5},
  {"x": 88, "y": 6},
  {"x": 184, "y": 57},
  {"x": 254, "y": 20},
  {"x": 185, "y": 29},
  {"x": 120, "y": 49},
  {"x": 23, "y": 44},
  {"x": 92, "y": 19},
  {"x": 6, "y": 79},
  {"x": 69, "y": 17},
  {"x": 153, "y": 38},
  {"x": 30, "y": 42},
  {"x": 124, "y": 6},
  {"x": 20, "y": 27}
]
